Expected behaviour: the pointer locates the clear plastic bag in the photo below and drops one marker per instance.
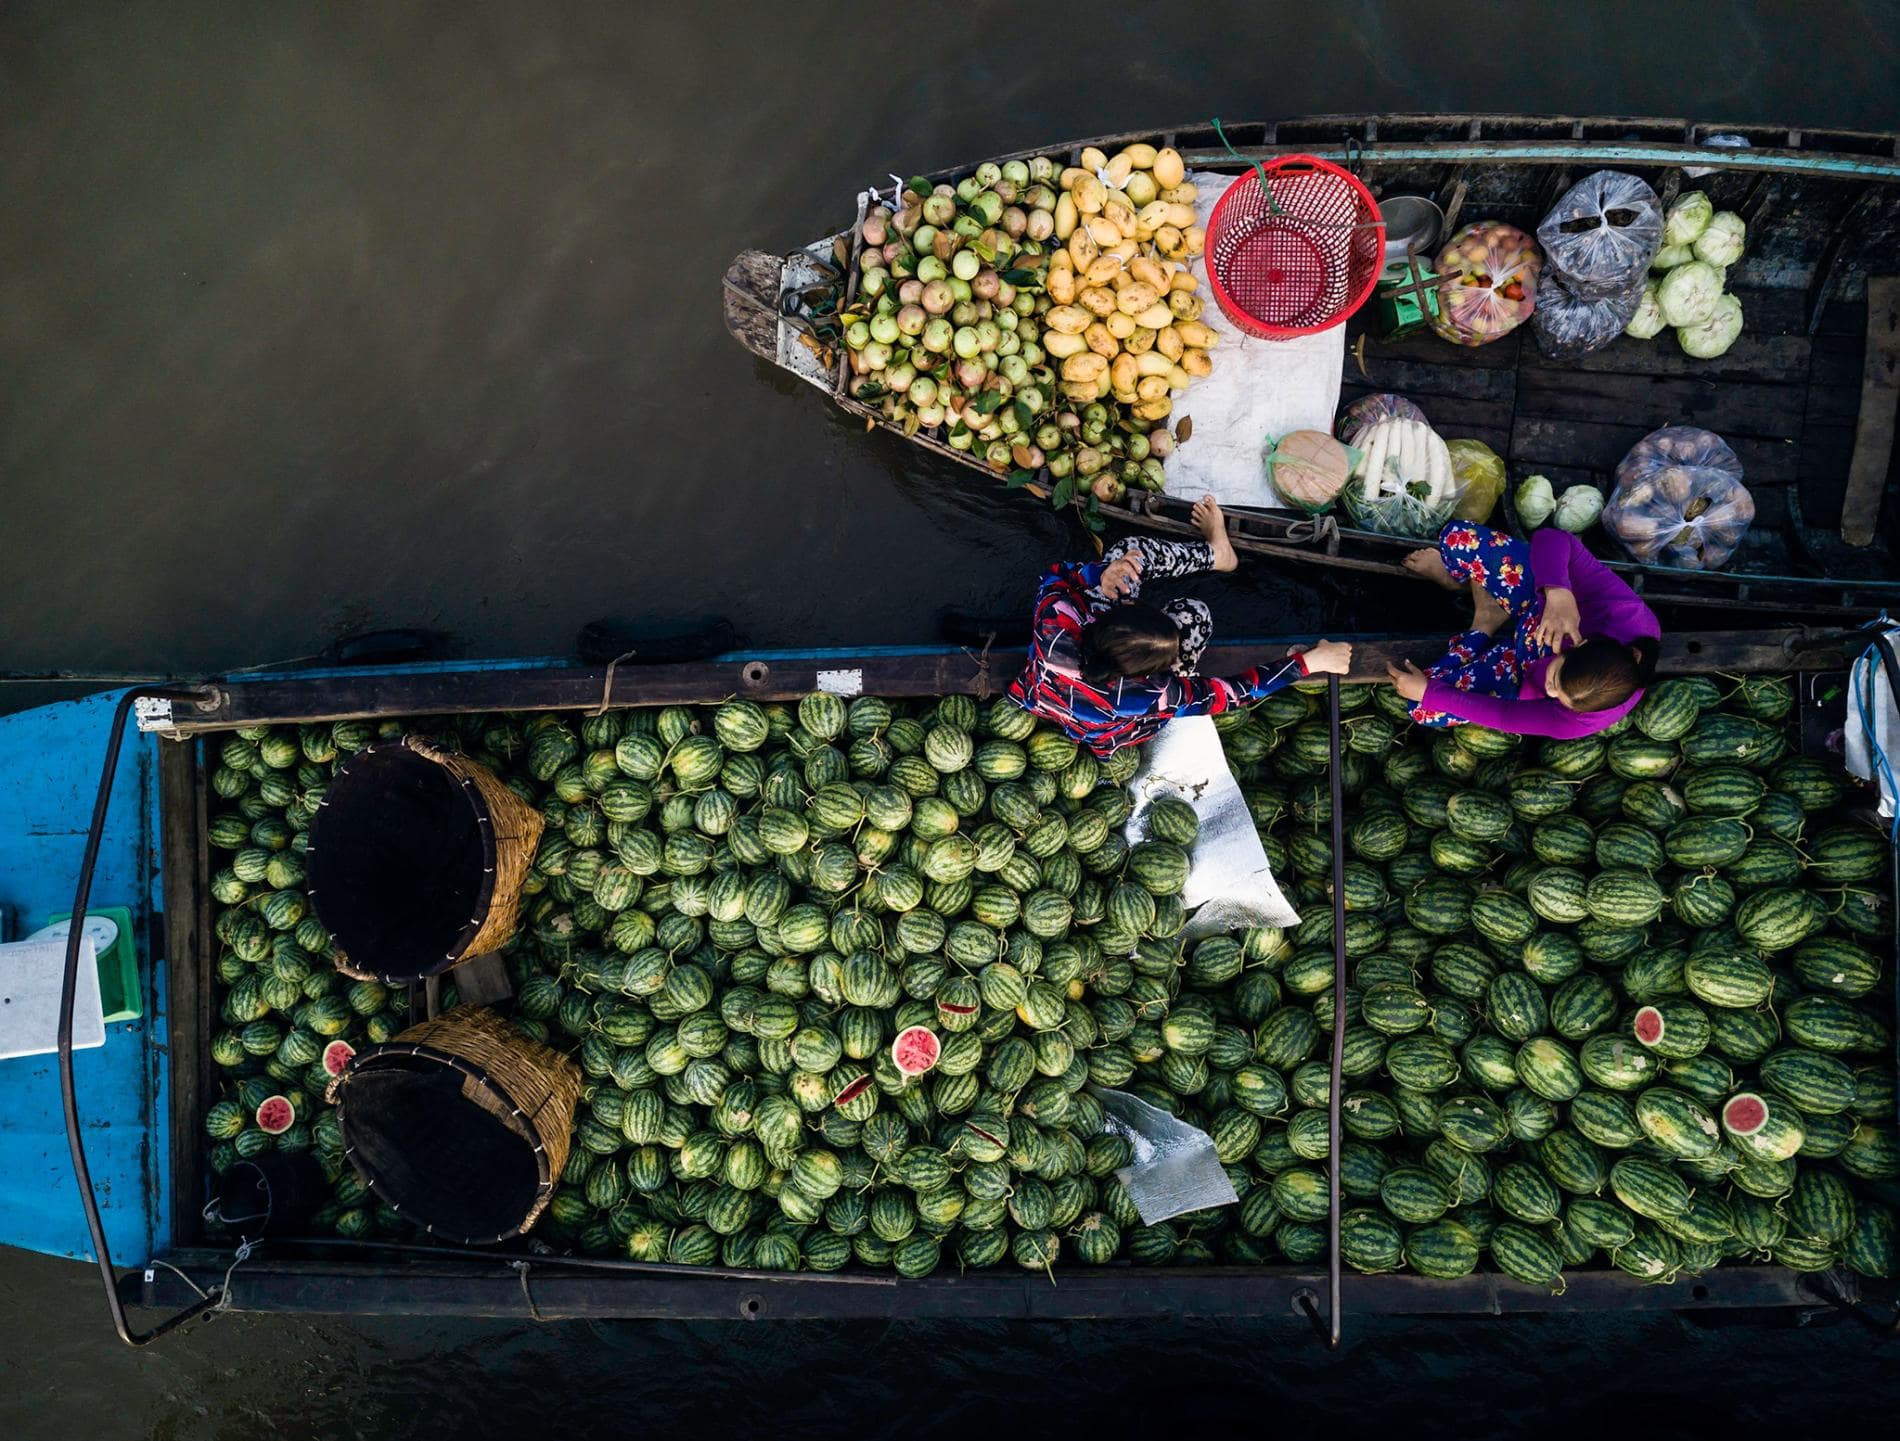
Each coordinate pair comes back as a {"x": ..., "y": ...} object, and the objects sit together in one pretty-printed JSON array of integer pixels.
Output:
[
  {"x": 1308, "y": 469},
  {"x": 1478, "y": 472},
  {"x": 1404, "y": 484},
  {"x": 1569, "y": 324},
  {"x": 1487, "y": 283},
  {"x": 1602, "y": 233},
  {"x": 1368, "y": 410},
  {"x": 1679, "y": 500}
]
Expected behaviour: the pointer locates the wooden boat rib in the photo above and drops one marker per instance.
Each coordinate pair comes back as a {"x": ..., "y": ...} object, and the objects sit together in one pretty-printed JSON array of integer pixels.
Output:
[{"x": 1805, "y": 396}]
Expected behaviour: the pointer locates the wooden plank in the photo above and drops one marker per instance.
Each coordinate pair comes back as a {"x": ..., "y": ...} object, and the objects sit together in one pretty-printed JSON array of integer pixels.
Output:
[
  {"x": 1426, "y": 346},
  {"x": 1597, "y": 446},
  {"x": 1729, "y": 408},
  {"x": 1418, "y": 377},
  {"x": 184, "y": 870},
  {"x": 1753, "y": 356},
  {"x": 1873, "y": 433}
]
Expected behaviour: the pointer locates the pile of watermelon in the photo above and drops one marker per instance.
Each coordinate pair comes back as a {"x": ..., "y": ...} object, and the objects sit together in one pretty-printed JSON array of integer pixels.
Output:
[{"x": 840, "y": 977}]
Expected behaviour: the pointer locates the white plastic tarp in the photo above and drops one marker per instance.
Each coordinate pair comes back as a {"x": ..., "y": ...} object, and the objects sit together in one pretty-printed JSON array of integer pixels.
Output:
[
  {"x": 1260, "y": 389},
  {"x": 1230, "y": 884}
]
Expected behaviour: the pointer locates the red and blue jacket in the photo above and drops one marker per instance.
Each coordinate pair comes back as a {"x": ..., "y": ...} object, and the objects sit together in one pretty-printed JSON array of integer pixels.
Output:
[{"x": 1130, "y": 710}]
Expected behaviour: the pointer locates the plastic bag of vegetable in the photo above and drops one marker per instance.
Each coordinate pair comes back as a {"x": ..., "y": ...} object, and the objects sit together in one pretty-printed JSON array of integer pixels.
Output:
[
  {"x": 1307, "y": 469},
  {"x": 1487, "y": 283},
  {"x": 1602, "y": 233},
  {"x": 1569, "y": 323},
  {"x": 1478, "y": 472},
  {"x": 1403, "y": 484},
  {"x": 1679, "y": 499},
  {"x": 1368, "y": 410}
]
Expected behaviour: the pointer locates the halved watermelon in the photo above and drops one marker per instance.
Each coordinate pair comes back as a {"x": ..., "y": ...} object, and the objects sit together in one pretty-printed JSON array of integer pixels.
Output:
[
  {"x": 1648, "y": 1025},
  {"x": 336, "y": 1056},
  {"x": 1744, "y": 1113},
  {"x": 915, "y": 1050},
  {"x": 275, "y": 1115}
]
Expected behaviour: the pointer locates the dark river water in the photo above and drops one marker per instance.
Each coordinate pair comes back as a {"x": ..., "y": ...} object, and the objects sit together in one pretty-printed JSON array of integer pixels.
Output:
[{"x": 321, "y": 317}]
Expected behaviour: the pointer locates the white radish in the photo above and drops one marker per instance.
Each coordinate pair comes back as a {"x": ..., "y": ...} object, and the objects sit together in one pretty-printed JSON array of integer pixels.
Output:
[
  {"x": 1441, "y": 471},
  {"x": 1375, "y": 458}
]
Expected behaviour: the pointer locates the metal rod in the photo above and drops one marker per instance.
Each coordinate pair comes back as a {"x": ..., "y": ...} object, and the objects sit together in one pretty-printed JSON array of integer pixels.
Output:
[
  {"x": 1339, "y": 1010},
  {"x": 68, "y": 1092}
]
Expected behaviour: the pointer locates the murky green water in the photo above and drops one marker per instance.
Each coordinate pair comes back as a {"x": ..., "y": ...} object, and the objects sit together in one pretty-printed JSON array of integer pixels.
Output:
[{"x": 317, "y": 318}]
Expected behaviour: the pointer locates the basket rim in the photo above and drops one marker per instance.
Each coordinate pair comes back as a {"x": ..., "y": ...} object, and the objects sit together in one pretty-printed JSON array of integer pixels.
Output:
[
  {"x": 1238, "y": 313},
  {"x": 475, "y": 1071},
  {"x": 485, "y": 824}
]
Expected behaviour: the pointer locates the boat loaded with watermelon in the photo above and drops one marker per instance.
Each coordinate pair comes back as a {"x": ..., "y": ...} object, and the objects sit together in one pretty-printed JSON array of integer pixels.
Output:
[
  {"x": 838, "y": 952},
  {"x": 1060, "y": 321}
]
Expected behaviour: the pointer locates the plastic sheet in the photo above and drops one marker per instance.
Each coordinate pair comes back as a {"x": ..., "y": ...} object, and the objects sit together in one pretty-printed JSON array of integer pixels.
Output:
[
  {"x": 1679, "y": 499},
  {"x": 1176, "y": 1168},
  {"x": 1229, "y": 884},
  {"x": 1602, "y": 233},
  {"x": 1570, "y": 323}
]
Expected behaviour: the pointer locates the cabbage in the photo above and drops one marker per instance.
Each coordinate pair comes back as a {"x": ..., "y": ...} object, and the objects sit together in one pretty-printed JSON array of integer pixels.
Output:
[
  {"x": 1670, "y": 256},
  {"x": 1648, "y": 321},
  {"x": 1687, "y": 294},
  {"x": 1579, "y": 507},
  {"x": 1721, "y": 243},
  {"x": 1687, "y": 218},
  {"x": 1715, "y": 335},
  {"x": 1535, "y": 501}
]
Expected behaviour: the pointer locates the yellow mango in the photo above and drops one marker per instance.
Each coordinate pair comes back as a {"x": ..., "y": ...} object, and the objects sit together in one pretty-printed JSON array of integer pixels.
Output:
[
  {"x": 1083, "y": 249},
  {"x": 1103, "y": 231},
  {"x": 1181, "y": 194},
  {"x": 1091, "y": 195},
  {"x": 1141, "y": 155},
  {"x": 1183, "y": 280},
  {"x": 1093, "y": 158},
  {"x": 1062, "y": 345},
  {"x": 1152, "y": 387},
  {"x": 1149, "y": 272},
  {"x": 1061, "y": 283},
  {"x": 1195, "y": 335},
  {"x": 1184, "y": 305},
  {"x": 1153, "y": 216},
  {"x": 1123, "y": 373},
  {"x": 1136, "y": 297},
  {"x": 1082, "y": 391},
  {"x": 1197, "y": 362},
  {"x": 1067, "y": 320},
  {"x": 1103, "y": 271},
  {"x": 1070, "y": 174},
  {"x": 1155, "y": 316},
  {"x": 1121, "y": 326},
  {"x": 1179, "y": 378},
  {"x": 1141, "y": 189},
  {"x": 1169, "y": 168},
  {"x": 1119, "y": 214},
  {"x": 1153, "y": 362},
  {"x": 1152, "y": 410},
  {"x": 1066, "y": 216},
  {"x": 1102, "y": 341},
  {"x": 1140, "y": 340},
  {"x": 1119, "y": 169},
  {"x": 1168, "y": 342},
  {"x": 1086, "y": 366},
  {"x": 1180, "y": 216},
  {"x": 1098, "y": 300},
  {"x": 1195, "y": 238}
]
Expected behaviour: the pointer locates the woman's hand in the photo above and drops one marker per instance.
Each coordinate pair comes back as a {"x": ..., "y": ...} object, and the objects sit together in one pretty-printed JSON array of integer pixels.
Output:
[
  {"x": 1329, "y": 657},
  {"x": 1122, "y": 577},
  {"x": 1409, "y": 682},
  {"x": 1560, "y": 621}
]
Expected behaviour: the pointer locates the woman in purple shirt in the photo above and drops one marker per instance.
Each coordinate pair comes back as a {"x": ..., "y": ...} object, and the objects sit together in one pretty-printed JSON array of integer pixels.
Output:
[{"x": 1576, "y": 649}]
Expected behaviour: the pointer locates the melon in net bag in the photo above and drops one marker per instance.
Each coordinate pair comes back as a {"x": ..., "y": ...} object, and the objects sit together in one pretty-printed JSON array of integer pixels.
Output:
[
  {"x": 1487, "y": 283},
  {"x": 1679, "y": 500}
]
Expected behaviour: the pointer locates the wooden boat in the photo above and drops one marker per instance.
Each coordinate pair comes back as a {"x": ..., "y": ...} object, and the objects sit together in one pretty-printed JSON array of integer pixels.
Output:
[
  {"x": 139, "y": 1099},
  {"x": 1806, "y": 395}
]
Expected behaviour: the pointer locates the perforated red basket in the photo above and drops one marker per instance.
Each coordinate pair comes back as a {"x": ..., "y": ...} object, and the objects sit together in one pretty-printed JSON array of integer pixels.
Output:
[{"x": 1297, "y": 252}]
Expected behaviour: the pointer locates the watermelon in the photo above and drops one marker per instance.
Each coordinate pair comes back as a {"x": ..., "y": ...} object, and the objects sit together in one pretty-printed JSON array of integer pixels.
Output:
[
  {"x": 275, "y": 1115},
  {"x": 1846, "y": 855},
  {"x": 1649, "y": 1188},
  {"x": 1442, "y": 1250},
  {"x": 1728, "y": 976},
  {"x": 1723, "y": 791},
  {"x": 1777, "y": 919}
]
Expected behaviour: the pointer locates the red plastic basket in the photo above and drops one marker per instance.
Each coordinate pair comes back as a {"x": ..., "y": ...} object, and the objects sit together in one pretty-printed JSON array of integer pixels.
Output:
[{"x": 1295, "y": 252}]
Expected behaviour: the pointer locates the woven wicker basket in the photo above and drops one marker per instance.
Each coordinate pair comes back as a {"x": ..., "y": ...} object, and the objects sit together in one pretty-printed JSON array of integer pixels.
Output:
[
  {"x": 462, "y": 1124},
  {"x": 416, "y": 861}
]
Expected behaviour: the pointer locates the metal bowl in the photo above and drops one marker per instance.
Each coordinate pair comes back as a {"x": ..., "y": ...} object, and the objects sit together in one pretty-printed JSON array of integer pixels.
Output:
[{"x": 1413, "y": 224}]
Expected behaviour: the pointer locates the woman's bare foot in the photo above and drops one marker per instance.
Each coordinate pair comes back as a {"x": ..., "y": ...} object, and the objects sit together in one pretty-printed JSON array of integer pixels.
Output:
[
  {"x": 1487, "y": 614},
  {"x": 1213, "y": 527},
  {"x": 1426, "y": 565}
]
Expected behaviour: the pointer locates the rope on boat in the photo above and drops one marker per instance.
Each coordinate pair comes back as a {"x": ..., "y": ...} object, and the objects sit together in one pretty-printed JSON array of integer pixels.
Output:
[
  {"x": 982, "y": 662},
  {"x": 607, "y": 684}
]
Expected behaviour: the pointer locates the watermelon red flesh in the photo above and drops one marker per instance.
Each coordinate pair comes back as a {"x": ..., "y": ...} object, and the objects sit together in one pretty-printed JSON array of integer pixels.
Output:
[
  {"x": 915, "y": 1050},
  {"x": 336, "y": 1056},
  {"x": 275, "y": 1115},
  {"x": 1744, "y": 1114},
  {"x": 1648, "y": 1025},
  {"x": 852, "y": 1091}
]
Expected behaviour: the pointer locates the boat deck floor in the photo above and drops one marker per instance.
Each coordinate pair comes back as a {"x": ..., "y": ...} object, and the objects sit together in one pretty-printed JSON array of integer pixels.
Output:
[{"x": 1786, "y": 402}]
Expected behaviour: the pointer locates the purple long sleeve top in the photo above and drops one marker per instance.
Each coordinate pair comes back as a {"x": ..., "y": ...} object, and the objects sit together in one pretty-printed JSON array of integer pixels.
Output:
[{"x": 1605, "y": 607}]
